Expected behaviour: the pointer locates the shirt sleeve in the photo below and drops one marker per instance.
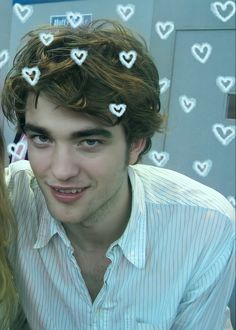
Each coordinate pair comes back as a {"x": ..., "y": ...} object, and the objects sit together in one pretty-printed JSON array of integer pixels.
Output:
[{"x": 204, "y": 303}]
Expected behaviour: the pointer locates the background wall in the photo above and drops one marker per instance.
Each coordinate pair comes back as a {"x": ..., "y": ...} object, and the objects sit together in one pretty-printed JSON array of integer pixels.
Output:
[{"x": 193, "y": 44}]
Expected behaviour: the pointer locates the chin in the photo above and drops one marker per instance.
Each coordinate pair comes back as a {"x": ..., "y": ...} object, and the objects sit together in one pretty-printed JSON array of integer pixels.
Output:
[{"x": 65, "y": 218}]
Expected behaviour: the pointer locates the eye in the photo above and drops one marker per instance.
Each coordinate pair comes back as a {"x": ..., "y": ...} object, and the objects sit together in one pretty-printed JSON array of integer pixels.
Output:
[
  {"x": 90, "y": 143},
  {"x": 39, "y": 139}
]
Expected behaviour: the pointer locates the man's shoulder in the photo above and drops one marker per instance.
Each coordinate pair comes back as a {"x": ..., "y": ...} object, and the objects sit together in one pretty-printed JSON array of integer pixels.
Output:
[
  {"x": 18, "y": 171},
  {"x": 167, "y": 187}
]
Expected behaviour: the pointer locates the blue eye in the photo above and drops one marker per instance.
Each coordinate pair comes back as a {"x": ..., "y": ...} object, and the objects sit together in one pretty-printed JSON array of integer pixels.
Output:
[
  {"x": 39, "y": 139},
  {"x": 91, "y": 142}
]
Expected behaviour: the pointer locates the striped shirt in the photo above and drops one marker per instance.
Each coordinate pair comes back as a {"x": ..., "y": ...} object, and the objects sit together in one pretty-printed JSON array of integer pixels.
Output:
[{"x": 172, "y": 268}]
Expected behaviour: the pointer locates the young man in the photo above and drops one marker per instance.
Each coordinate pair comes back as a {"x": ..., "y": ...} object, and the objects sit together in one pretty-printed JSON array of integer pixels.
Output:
[{"x": 103, "y": 244}]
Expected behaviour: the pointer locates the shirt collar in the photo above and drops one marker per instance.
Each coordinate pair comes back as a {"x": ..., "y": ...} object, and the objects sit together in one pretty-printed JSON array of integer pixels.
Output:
[
  {"x": 133, "y": 240},
  {"x": 48, "y": 226}
]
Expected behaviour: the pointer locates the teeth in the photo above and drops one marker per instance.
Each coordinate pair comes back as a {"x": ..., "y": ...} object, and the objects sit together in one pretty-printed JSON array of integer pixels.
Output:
[{"x": 69, "y": 191}]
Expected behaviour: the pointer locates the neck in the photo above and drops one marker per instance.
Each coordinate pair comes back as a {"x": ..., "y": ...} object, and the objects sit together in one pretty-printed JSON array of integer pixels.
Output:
[{"x": 106, "y": 227}]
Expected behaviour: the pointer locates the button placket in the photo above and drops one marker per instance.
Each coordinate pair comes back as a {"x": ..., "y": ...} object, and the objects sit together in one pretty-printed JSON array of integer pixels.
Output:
[{"x": 77, "y": 277}]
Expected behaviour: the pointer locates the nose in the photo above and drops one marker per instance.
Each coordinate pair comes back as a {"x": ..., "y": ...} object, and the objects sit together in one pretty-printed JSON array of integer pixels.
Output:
[{"x": 64, "y": 164}]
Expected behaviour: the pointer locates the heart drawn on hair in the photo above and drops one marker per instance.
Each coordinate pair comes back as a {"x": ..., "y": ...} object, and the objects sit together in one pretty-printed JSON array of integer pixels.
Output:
[
  {"x": 164, "y": 29},
  {"x": 46, "y": 38},
  {"x": 164, "y": 85},
  {"x": 78, "y": 55},
  {"x": 23, "y": 12},
  {"x": 4, "y": 57},
  {"x": 223, "y": 11},
  {"x": 225, "y": 83},
  {"x": 117, "y": 109},
  {"x": 17, "y": 150},
  {"x": 128, "y": 58},
  {"x": 75, "y": 19},
  {"x": 125, "y": 12},
  {"x": 232, "y": 201},
  {"x": 31, "y": 75},
  {"x": 187, "y": 104},
  {"x": 201, "y": 51},
  {"x": 159, "y": 158},
  {"x": 202, "y": 168},
  {"x": 224, "y": 134}
]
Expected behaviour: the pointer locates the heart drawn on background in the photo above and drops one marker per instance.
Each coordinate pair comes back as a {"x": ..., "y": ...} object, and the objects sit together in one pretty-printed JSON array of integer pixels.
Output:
[
  {"x": 74, "y": 19},
  {"x": 225, "y": 83},
  {"x": 78, "y": 55},
  {"x": 128, "y": 58},
  {"x": 232, "y": 201},
  {"x": 31, "y": 75},
  {"x": 164, "y": 84},
  {"x": 224, "y": 134},
  {"x": 17, "y": 150},
  {"x": 46, "y": 38},
  {"x": 202, "y": 168},
  {"x": 159, "y": 158},
  {"x": 201, "y": 51},
  {"x": 117, "y": 109},
  {"x": 125, "y": 12},
  {"x": 187, "y": 104},
  {"x": 223, "y": 11},
  {"x": 4, "y": 57},
  {"x": 23, "y": 12},
  {"x": 164, "y": 29}
]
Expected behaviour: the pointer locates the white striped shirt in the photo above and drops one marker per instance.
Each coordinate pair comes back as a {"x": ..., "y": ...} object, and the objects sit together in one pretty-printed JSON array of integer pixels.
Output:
[{"x": 172, "y": 268}]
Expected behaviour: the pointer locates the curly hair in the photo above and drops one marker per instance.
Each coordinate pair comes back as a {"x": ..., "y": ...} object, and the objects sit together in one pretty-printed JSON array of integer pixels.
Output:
[
  {"x": 89, "y": 88},
  {"x": 8, "y": 295}
]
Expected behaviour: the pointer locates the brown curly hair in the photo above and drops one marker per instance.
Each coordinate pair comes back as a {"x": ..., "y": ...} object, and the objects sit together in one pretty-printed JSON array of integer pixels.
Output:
[
  {"x": 8, "y": 295},
  {"x": 89, "y": 88}
]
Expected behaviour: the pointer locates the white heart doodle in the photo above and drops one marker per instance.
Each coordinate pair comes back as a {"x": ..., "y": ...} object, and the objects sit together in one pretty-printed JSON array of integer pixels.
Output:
[
  {"x": 164, "y": 85},
  {"x": 225, "y": 83},
  {"x": 224, "y": 134},
  {"x": 159, "y": 158},
  {"x": 164, "y": 29},
  {"x": 128, "y": 58},
  {"x": 23, "y": 12},
  {"x": 17, "y": 150},
  {"x": 75, "y": 19},
  {"x": 78, "y": 55},
  {"x": 223, "y": 11},
  {"x": 187, "y": 104},
  {"x": 46, "y": 38},
  {"x": 4, "y": 57},
  {"x": 31, "y": 75},
  {"x": 125, "y": 12},
  {"x": 202, "y": 168},
  {"x": 201, "y": 51},
  {"x": 117, "y": 109},
  {"x": 232, "y": 201}
]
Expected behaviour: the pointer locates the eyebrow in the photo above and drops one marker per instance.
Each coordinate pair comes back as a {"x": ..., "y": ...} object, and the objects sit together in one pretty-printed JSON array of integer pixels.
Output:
[{"x": 79, "y": 134}]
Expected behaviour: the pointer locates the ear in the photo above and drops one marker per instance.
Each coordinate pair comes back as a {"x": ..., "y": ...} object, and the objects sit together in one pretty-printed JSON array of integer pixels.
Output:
[{"x": 135, "y": 149}]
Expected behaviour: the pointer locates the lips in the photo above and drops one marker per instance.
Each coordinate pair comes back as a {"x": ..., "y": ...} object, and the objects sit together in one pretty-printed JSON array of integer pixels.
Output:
[
  {"x": 69, "y": 191},
  {"x": 67, "y": 195}
]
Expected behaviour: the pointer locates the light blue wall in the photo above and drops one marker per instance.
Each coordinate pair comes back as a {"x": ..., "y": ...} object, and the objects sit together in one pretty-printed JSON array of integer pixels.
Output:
[{"x": 189, "y": 136}]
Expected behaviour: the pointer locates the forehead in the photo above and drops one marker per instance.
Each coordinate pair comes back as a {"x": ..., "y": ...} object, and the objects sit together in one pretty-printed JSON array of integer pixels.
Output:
[
  {"x": 43, "y": 109},
  {"x": 45, "y": 113}
]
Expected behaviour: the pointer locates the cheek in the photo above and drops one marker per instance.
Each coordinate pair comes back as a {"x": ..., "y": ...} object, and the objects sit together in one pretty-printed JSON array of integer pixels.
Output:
[
  {"x": 39, "y": 161},
  {"x": 110, "y": 169}
]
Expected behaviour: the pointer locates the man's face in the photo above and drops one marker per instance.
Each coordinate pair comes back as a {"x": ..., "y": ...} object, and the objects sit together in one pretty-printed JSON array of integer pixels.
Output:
[{"x": 80, "y": 165}]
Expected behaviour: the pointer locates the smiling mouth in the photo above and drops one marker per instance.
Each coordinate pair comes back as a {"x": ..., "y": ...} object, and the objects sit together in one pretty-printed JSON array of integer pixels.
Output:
[
  {"x": 67, "y": 195},
  {"x": 68, "y": 191}
]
